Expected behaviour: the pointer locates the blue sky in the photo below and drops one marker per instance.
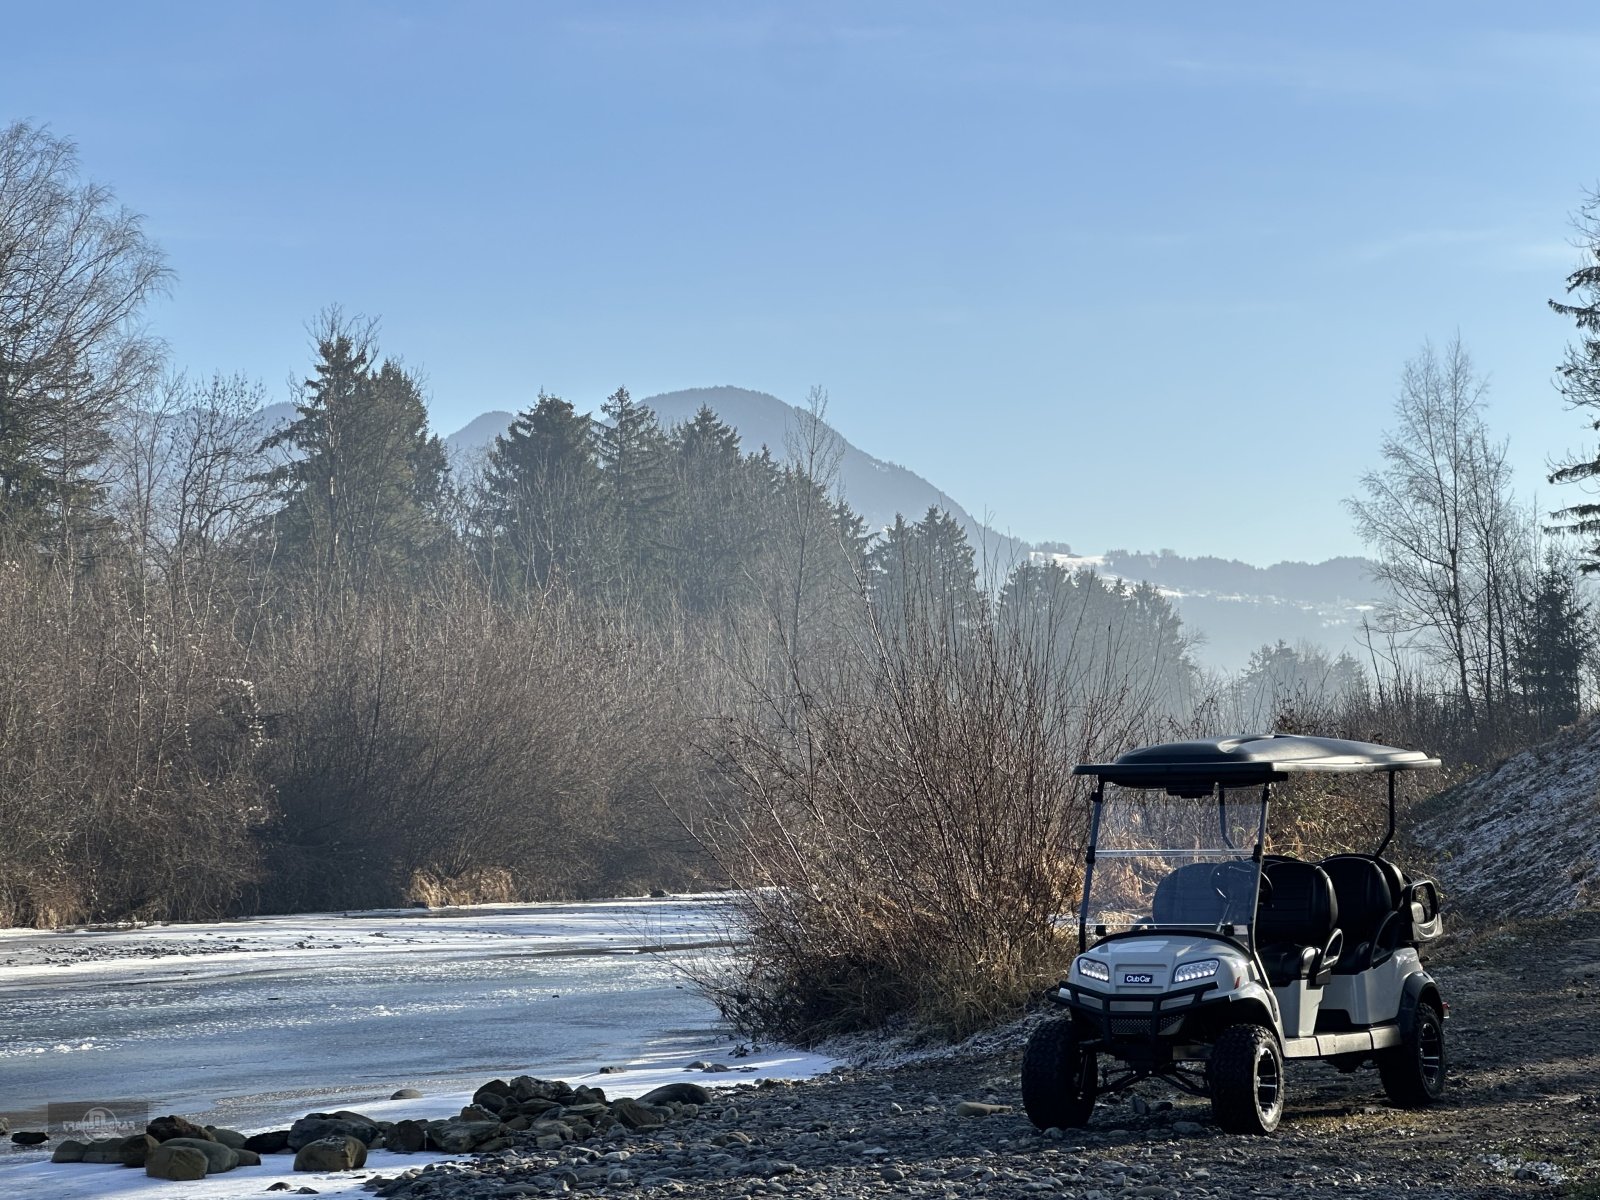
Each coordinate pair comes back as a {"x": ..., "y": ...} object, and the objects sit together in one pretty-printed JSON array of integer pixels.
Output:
[{"x": 1136, "y": 276}]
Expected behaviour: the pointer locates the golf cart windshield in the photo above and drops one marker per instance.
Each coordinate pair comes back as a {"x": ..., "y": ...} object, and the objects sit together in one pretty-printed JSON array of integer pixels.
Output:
[{"x": 1170, "y": 863}]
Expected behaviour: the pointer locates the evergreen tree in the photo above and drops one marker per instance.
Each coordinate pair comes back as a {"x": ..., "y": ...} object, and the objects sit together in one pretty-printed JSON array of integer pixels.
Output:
[
  {"x": 1093, "y": 633},
  {"x": 1578, "y": 377},
  {"x": 636, "y": 487},
  {"x": 715, "y": 529},
  {"x": 539, "y": 507},
  {"x": 1555, "y": 641},
  {"x": 1302, "y": 676},
  {"x": 928, "y": 567},
  {"x": 362, "y": 482}
]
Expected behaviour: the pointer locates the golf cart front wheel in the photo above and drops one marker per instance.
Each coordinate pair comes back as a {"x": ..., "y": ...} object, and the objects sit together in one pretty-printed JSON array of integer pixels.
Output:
[
  {"x": 1246, "y": 1077},
  {"x": 1413, "y": 1072},
  {"x": 1058, "y": 1076}
]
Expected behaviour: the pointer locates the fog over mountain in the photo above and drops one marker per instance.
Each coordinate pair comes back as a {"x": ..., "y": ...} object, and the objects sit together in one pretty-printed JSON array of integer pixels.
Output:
[{"x": 1233, "y": 607}]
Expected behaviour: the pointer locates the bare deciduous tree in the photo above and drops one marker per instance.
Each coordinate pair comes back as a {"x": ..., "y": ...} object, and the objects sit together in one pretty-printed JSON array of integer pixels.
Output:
[
  {"x": 75, "y": 271},
  {"x": 1448, "y": 539}
]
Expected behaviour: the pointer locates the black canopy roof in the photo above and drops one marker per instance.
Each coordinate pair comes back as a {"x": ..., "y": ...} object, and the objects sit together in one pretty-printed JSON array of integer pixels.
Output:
[{"x": 1194, "y": 768}]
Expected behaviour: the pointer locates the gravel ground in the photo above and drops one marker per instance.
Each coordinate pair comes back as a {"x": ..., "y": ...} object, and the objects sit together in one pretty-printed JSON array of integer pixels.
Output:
[{"x": 1522, "y": 1117}]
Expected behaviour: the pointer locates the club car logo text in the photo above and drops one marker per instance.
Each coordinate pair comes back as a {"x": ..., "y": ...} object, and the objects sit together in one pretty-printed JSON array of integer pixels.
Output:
[{"x": 1138, "y": 977}]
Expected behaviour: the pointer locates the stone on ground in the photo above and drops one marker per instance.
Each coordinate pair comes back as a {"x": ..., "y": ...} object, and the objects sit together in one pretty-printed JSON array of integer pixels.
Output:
[
  {"x": 338, "y": 1153},
  {"x": 175, "y": 1162}
]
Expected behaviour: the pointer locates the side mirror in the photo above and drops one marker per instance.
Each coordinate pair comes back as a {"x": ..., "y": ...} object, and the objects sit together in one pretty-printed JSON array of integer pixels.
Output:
[
  {"x": 1422, "y": 905},
  {"x": 1423, "y": 896}
]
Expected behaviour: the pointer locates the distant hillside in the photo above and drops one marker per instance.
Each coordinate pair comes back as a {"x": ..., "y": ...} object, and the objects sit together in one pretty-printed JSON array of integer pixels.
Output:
[
  {"x": 478, "y": 434},
  {"x": 1237, "y": 608},
  {"x": 1348, "y": 578},
  {"x": 274, "y": 416}
]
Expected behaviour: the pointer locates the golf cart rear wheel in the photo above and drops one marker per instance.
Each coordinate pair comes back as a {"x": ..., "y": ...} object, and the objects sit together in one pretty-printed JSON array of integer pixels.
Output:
[
  {"x": 1058, "y": 1077},
  {"x": 1246, "y": 1077},
  {"x": 1413, "y": 1072}
]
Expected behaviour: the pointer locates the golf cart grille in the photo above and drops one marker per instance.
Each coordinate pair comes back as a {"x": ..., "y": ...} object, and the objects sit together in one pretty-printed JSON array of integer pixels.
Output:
[{"x": 1141, "y": 1026}]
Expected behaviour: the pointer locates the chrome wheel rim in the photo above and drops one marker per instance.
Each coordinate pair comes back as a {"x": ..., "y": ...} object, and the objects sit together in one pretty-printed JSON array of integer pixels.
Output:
[{"x": 1269, "y": 1082}]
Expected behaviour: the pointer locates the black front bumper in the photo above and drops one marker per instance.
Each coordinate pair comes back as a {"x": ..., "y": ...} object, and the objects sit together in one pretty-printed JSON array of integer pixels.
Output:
[{"x": 1149, "y": 1019}]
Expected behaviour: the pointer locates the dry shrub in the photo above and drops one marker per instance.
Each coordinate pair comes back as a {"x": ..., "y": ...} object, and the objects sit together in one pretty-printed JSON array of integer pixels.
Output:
[
  {"x": 907, "y": 829},
  {"x": 467, "y": 741},
  {"x": 127, "y": 753},
  {"x": 192, "y": 749},
  {"x": 1315, "y": 816},
  {"x": 477, "y": 885}
]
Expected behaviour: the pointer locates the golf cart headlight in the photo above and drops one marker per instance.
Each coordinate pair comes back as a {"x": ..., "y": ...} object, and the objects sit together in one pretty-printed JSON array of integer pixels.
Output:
[
  {"x": 1189, "y": 972},
  {"x": 1093, "y": 968}
]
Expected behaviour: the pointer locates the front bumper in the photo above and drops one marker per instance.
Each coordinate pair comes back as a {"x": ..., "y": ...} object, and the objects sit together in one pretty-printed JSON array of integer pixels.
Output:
[{"x": 1138, "y": 1018}]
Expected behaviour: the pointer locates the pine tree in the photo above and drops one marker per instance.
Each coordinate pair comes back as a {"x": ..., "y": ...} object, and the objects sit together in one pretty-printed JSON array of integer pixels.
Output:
[
  {"x": 1578, "y": 377},
  {"x": 714, "y": 533},
  {"x": 362, "y": 481},
  {"x": 1093, "y": 633},
  {"x": 636, "y": 486},
  {"x": 539, "y": 507},
  {"x": 925, "y": 568}
]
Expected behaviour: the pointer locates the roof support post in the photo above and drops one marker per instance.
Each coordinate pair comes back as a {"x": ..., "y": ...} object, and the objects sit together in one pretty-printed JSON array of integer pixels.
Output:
[
  {"x": 1388, "y": 837},
  {"x": 1097, "y": 801}
]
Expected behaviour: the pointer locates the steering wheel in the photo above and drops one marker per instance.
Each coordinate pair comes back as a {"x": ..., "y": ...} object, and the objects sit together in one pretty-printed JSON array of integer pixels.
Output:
[{"x": 1224, "y": 873}]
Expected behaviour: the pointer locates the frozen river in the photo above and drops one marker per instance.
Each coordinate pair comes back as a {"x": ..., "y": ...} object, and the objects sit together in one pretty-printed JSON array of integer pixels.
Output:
[{"x": 249, "y": 1023}]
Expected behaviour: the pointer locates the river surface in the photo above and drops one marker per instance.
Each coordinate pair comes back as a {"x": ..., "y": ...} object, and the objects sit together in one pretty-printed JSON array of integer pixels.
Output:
[{"x": 250, "y": 1023}]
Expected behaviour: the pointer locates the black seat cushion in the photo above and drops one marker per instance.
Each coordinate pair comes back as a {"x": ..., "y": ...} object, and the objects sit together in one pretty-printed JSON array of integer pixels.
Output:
[
  {"x": 1286, "y": 963},
  {"x": 1294, "y": 927},
  {"x": 1366, "y": 898}
]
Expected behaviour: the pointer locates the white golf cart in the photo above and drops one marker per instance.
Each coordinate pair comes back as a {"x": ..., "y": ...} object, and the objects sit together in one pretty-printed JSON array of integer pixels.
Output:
[{"x": 1205, "y": 962}]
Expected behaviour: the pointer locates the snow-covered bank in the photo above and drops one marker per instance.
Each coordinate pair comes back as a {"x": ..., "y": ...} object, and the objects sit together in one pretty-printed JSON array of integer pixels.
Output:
[{"x": 250, "y": 1024}]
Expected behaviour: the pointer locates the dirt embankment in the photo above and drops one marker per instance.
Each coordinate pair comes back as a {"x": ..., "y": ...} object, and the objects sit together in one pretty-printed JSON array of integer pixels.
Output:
[{"x": 1521, "y": 839}]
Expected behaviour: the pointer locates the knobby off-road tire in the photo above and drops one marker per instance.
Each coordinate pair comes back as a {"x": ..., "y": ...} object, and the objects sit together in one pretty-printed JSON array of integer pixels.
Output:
[
  {"x": 1413, "y": 1072},
  {"x": 1058, "y": 1077},
  {"x": 1246, "y": 1077}
]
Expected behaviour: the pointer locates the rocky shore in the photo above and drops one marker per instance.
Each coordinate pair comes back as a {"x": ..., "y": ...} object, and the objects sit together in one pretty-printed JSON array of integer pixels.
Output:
[{"x": 1522, "y": 1118}]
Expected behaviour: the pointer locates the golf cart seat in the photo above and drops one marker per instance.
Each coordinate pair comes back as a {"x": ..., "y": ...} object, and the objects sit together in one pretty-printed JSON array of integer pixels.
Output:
[
  {"x": 1369, "y": 891},
  {"x": 1297, "y": 929},
  {"x": 1186, "y": 897}
]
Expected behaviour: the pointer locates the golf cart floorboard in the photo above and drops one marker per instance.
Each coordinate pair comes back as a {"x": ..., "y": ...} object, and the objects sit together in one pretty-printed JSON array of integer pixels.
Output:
[{"x": 1324, "y": 1045}]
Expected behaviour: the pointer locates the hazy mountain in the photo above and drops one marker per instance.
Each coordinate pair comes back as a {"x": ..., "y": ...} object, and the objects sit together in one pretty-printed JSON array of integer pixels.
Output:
[
  {"x": 1347, "y": 577},
  {"x": 875, "y": 488},
  {"x": 478, "y": 434},
  {"x": 274, "y": 417}
]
